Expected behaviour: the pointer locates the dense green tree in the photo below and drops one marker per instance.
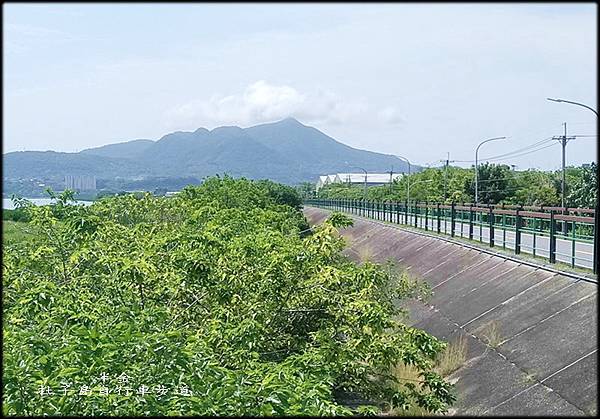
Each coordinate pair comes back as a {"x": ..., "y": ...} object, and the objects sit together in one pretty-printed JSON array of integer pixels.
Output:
[
  {"x": 306, "y": 190},
  {"x": 534, "y": 187},
  {"x": 583, "y": 190},
  {"x": 494, "y": 183},
  {"x": 213, "y": 290}
]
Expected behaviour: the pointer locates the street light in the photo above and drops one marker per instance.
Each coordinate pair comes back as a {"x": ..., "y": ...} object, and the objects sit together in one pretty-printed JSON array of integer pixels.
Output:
[
  {"x": 476, "y": 171},
  {"x": 408, "y": 178},
  {"x": 596, "y": 266},
  {"x": 365, "y": 189},
  {"x": 573, "y": 103}
]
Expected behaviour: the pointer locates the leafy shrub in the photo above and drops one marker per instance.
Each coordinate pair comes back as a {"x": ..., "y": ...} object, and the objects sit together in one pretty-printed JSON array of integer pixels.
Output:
[
  {"x": 17, "y": 214},
  {"x": 212, "y": 291}
]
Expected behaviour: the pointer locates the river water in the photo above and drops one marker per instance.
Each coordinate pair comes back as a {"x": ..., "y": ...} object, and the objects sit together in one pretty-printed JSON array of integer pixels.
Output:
[{"x": 8, "y": 204}]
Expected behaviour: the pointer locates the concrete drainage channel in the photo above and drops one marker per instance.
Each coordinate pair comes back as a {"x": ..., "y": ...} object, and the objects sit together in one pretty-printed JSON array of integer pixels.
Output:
[{"x": 531, "y": 331}]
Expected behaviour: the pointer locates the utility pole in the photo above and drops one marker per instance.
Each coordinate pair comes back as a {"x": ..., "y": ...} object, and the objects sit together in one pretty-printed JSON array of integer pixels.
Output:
[
  {"x": 446, "y": 163},
  {"x": 596, "y": 262},
  {"x": 446, "y": 177},
  {"x": 407, "y": 179},
  {"x": 391, "y": 178},
  {"x": 476, "y": 166},
  {"x": 563, "y": 141}
]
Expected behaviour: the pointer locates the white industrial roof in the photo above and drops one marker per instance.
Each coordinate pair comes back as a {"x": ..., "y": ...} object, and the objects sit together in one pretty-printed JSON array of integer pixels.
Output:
[{"x": 371, "y": 177}]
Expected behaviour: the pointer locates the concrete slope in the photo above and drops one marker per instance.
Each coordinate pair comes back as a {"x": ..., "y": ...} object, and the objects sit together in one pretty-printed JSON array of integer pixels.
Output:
[{"x": 531, "y": 333}]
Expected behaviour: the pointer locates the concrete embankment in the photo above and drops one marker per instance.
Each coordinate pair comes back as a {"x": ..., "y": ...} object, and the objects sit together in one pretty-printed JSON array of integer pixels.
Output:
[{"x": 531, "y": 333}]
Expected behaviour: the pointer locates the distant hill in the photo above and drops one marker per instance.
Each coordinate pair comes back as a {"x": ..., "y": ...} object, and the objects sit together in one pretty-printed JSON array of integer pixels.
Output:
[
  {"x": 286, "y": 151},
  {"x": 128, "y": 149}
]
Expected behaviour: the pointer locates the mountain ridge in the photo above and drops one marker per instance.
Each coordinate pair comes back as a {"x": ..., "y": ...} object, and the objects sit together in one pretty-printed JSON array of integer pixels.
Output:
[{"x": 286, "y": 151}]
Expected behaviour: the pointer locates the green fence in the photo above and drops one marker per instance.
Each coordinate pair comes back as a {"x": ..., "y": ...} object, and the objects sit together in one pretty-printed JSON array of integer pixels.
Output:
[{"x": 545, "y": 232}]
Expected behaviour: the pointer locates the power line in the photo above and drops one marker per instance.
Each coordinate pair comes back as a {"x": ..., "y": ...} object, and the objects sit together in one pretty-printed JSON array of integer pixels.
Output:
[
  {"x": 519, "y": 150},
  {"x": 521, "y": 154},
  {"x": 548, "y": 139}
]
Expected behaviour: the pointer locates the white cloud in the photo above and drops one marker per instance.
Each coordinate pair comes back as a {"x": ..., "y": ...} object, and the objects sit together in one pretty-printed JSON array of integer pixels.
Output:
[
  {"x": 391, "y": 115},
  {"x": 264, "y": 102}
]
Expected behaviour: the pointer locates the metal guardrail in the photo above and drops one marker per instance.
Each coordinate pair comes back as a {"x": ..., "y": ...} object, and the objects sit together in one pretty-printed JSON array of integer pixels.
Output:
[{"x": 541, "y": 231}]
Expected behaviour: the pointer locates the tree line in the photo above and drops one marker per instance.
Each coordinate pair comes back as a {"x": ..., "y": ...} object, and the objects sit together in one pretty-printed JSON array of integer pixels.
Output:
[{"x": 497, "y": 184}]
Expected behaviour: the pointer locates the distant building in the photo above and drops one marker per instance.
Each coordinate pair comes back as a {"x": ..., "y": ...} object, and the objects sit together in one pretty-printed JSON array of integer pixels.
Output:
[
  {"x": 373, "y": 179},
  {"x": 324, "y": 180},
  {"x": 80, "y": 183}
]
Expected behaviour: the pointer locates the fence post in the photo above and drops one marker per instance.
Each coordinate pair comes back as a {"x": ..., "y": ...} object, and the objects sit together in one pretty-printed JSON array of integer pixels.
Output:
[
  {"x": 416, "y": 218},
  {"x": 471, "y": 222},
  {"x": 518, "y": 232},
  {"x": 426, "y": 213},
  {"x": 397, "y": 212},
  {"x": 573, "y": 236},
  {"x": 595, "y": 249},
  {"x": 438, "y": 217},
  {"x": 405, "y": 212},
  {"x": 552, "y": 237},
  {"x": 452, "y": 215},
  {"x": 491, "y": 224}
]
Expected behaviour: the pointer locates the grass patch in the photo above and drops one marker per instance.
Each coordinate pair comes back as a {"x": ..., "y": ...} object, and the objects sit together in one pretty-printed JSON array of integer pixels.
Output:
[
  {"x": 15, "y": 231},
  {"x": 407, "y": 373},
  {"x": 453, "y": 357},
  {"x": 365, "y": 254},
  {"x": 528, "y": 378},
  {"x": 490, "y": 332}
]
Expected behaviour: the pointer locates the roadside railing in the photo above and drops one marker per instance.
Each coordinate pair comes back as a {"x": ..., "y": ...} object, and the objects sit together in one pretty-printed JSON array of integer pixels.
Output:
[{"x": 554, "y": 233}]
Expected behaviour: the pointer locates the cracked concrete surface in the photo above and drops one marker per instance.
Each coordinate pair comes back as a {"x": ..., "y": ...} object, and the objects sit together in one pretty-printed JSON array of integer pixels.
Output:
[{"x": 546, "y": 358}]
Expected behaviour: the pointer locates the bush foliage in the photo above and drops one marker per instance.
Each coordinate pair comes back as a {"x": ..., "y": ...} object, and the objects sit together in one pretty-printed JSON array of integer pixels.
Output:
[{"x": 208, "y": 302}]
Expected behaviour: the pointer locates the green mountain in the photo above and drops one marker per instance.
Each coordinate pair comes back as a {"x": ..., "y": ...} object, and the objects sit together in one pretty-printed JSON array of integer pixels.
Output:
[
  {"x": 286, "y": 151},
  {"x": 128, "y": 149}
]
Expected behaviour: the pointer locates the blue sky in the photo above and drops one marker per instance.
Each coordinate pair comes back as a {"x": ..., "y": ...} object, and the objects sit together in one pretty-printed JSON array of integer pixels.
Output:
[{"x": 418, "y": 80}]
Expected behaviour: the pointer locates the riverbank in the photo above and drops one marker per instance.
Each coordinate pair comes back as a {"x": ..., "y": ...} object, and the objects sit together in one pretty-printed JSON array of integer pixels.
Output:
[{"x": 7, "y": 203}]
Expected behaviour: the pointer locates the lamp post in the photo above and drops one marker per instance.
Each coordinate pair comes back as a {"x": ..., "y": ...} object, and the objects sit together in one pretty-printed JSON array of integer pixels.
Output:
[
  {"x": 408, "y": 178},
  {"x": 574, "y": 103},
  {"x": 420, "y": 181},
  {"x": 476, "y": 163},
  {"x": 596, "y": 266},
  {"x": 365, "y": 189}
]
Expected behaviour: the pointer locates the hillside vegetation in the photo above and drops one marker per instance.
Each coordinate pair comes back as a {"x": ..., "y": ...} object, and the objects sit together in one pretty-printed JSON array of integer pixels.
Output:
[
  {"x": 218, "y": 301},
  {"x": 285, "y": 151}
]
